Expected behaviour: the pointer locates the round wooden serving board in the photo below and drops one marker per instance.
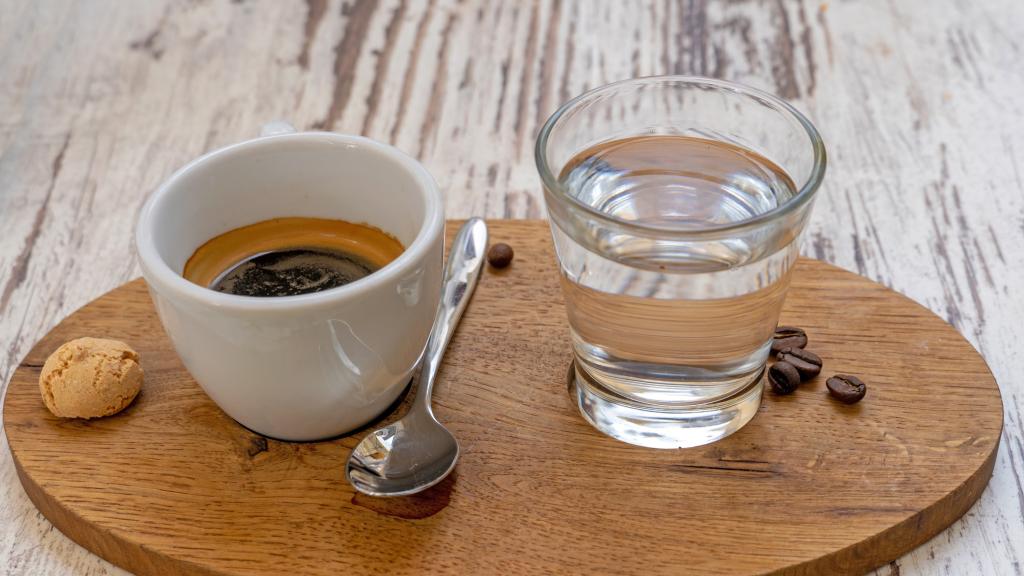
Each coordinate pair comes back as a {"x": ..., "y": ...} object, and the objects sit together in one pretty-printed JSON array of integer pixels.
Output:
[{"x": 172, "y": 485}]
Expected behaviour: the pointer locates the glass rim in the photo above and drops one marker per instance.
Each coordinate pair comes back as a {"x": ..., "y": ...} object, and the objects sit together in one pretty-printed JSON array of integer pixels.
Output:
[{"x": 804, "y": 193}]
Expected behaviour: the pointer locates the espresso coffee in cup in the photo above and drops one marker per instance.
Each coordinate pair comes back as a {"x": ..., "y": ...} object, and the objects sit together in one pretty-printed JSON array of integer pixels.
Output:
[{"x": 290, "y": 256}]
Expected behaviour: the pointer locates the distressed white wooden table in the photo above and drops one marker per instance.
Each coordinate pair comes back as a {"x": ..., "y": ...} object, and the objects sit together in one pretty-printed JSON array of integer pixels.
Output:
[{"x": 918, "y": 101}]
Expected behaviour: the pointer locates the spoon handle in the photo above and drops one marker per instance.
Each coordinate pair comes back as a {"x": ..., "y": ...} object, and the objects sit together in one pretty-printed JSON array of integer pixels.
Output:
[{"x": 461, "y": 273}]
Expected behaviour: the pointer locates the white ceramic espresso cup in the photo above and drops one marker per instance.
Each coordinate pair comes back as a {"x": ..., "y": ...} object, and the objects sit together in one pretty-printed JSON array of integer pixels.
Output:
[{"x": 316, "y": 365}]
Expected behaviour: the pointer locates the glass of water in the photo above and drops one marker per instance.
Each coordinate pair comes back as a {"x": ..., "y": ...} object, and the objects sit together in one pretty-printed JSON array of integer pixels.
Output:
[{"x": 676, "y": 205}]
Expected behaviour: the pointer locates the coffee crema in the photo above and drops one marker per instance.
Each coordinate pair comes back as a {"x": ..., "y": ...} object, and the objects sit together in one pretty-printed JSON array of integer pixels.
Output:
[{"x": 290, "y": 256}]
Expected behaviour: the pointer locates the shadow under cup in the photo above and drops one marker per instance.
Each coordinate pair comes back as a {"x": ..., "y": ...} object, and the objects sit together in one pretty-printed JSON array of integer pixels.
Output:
[
  {"x": 676, "y": 206},
  {"x": 310, "y": 366}
]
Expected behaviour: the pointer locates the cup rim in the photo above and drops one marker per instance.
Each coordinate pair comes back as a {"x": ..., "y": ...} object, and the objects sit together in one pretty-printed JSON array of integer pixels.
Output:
[
  {"x": 805, "y": 192},
  {"x": 163, "y": 278}
]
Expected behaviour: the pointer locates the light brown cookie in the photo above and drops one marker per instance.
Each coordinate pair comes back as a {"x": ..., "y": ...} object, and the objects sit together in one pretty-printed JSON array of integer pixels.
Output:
[{"x": 90, "y": 378}]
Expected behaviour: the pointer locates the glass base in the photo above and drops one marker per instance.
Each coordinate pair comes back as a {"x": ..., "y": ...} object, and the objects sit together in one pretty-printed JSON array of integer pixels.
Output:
[{"x": 659, "y": 425}]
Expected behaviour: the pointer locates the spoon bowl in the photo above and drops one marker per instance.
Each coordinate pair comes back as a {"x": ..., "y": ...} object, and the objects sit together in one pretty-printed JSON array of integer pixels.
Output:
[{"x": 403, "y": 458}]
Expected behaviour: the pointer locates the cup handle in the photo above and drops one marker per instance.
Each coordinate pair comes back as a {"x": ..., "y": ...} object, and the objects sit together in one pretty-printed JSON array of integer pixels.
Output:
[{"x": 276, "y": 128}]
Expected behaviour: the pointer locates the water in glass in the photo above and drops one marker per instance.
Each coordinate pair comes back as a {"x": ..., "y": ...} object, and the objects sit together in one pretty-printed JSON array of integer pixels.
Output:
[{"x": 674, "y": 322}]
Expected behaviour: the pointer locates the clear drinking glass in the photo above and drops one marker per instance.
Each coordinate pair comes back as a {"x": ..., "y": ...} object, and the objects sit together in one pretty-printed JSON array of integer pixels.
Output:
[{"x": 676, "y": 204}]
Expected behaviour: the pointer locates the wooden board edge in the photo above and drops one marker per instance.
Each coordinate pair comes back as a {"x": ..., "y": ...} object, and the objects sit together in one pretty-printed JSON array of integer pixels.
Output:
[
  {"x": 896, "y": 541},
  {"x": 106, "y": 544},
  {"x": 921, "y": 527}
]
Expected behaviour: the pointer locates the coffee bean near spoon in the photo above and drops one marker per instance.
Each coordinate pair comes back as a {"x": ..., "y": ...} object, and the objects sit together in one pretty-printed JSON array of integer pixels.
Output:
[
  {"x": 500, "y": 255},
  {"x": 807, "y": 363}
]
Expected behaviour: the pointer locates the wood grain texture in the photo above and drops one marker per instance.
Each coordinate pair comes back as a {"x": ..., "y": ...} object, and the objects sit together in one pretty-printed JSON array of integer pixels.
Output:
[
  {"x": 809, "y": 486},
  {"x": 916, "y": 99}
]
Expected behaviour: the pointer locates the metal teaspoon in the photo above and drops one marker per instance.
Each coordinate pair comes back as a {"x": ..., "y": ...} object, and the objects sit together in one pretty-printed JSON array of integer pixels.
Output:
[{"x": 417, "y": 451}]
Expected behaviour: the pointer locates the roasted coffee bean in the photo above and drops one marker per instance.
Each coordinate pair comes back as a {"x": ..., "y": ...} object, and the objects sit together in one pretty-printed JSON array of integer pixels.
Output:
[
  {"x": 788, "y": 337},
  {"x": 845, "y": 388},
  {"x": 783, "y": 377},
  {"x": 807, "y": 363},
  {"x": 500, "y": 255}
]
